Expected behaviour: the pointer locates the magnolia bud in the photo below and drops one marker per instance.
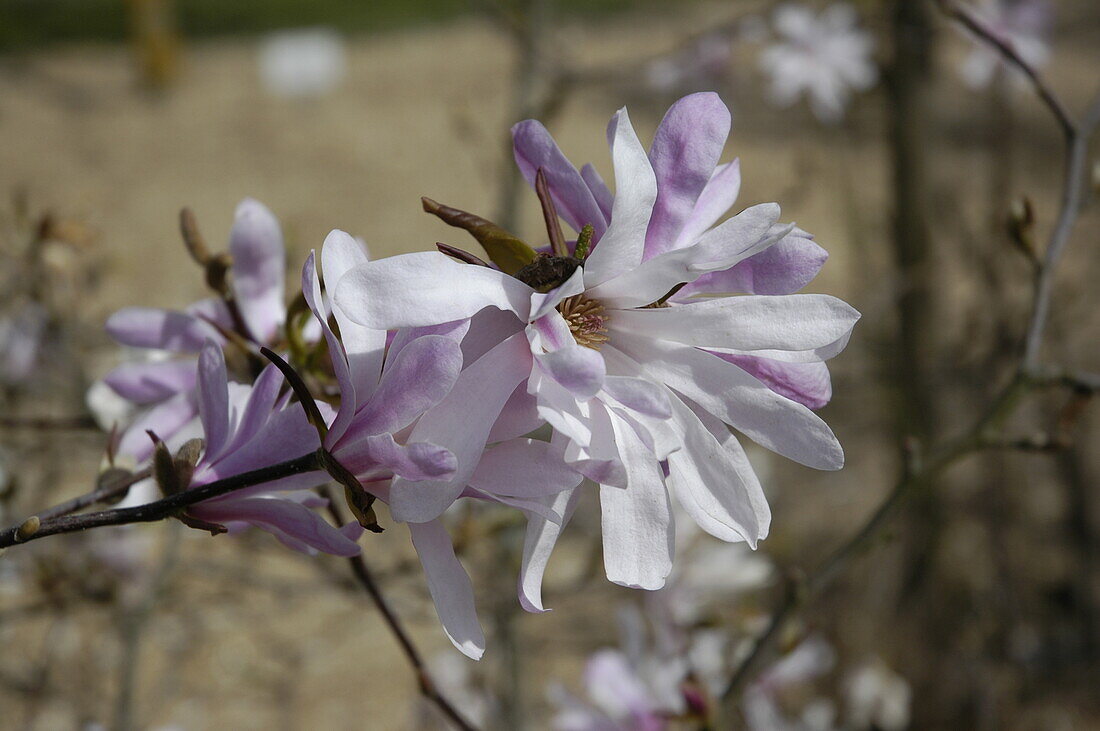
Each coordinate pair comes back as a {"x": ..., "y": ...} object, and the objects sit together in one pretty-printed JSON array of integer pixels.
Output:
[{"x": 29, "y": 527}]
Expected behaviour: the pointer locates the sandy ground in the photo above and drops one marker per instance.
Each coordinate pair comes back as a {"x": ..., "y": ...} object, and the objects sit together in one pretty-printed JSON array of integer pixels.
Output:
[{"x": 266, "y": 642}]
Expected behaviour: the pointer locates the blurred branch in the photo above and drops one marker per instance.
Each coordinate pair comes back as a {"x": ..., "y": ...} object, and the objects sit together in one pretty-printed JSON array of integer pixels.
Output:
[
  {"x": 172, "y": 506},
  {"x": 985, "y": 433},
  {"x": 45, "y": 423},
  {"x": 426, "y": 683},
  {"x": 113, "y": 489}
]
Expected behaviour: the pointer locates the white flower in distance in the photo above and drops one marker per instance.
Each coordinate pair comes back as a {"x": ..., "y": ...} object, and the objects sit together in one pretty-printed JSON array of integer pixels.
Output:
[
  {"x": 642, "y": 382},
  {"x": 305, "y": 63},
  {"x": 1023, "y": 25},
  {"x": 824, "y": 57}
]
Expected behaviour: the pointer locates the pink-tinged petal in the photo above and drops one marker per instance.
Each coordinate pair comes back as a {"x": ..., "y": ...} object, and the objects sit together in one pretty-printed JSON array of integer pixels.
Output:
[
  {"x": 286, "y": 516},
  {"x": 456, "y": 331},
  {"x": 534, "y": 148},
  {"x": 213, "y": 392},
  {"x": 519, "y": 416},
  {"x": 166, "y": 419},
  {"x": 147, "y": 327},
  {"x": 365, "y": 347},
  {"x": 795, "y": 322},
  {"x": 538, "y": 543},
  {"x": 461, "y": 423},
  {"x": 738, "y": 238},
  {"x": 783, "y": 268},
  {"x": 717, "y": 198},
  {"x": 614, "y": 686},
  {"x": 714, "y": 482},
  {"x": 378, "y": 455},
  {"x": 419, "y": 378},
  {"x": 146, "y": 383},
  {"x": 261, "y": 402},
  {"x": 530, "y": 506},
  {"x": 488, "y": 328},
  {"x": 284, "y": 435},
  {"x": 259, "y": 269},
  {"x": 428, "y": 288},
  {"x": 550, "y": 332},
  {"x": 318, "y": 304},
  {"x": 600, "y": 191},
  {"x": 638, "y": 395},
  {"x": 561, "y": 409},
  {"x": 636, "y": 522},
  {"x": 620, "y": 249},
  {"x": 807, "y": 383},
  {"x": 686, "y": 148},
  {"x": 578, "y": 369},
  {"x": 524, "y": 468},
  {"x": 450, "y": 587},
  {"x": 544, "y": 303},
  {"x": 738, "y": 399},
  {"x": 212, "y": 310}
]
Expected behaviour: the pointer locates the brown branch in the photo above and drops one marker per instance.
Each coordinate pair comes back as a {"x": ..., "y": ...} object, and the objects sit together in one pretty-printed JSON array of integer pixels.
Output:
[
  {"x": 115, "y": 488},
  {"x": 425, "y": 682},
  {"x": 34, "y": 527}
]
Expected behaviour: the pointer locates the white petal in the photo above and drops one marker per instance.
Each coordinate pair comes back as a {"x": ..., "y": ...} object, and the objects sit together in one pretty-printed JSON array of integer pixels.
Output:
[
  {"x": 427, "y": 288},
  {"x": 450, "y": 587},
  {"x": 753, "y": 322},
  {"x": 365, "y": 347},
  {"x": 538, "y": 544},
  {"x": 621, "y": 247},
  {"x": 637, "y": 522},
  {"x": 738, "y": 399},
  {"x": 578, "y": 369},
  {"x": 524, "y": 468},
  {"x": 738, "y": 238}
]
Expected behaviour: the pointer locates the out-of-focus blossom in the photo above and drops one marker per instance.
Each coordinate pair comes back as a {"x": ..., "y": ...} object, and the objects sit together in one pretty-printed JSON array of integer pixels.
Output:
[
  {"x": 247, "y": 427},
  {"x": 21, "y": 336},
  {"x": 620, "y": 696},
  {"x": 812, "y": 658},
  {"x": 414, "y": 420},
  {"x": 1022, "y": 24},
  {"x": 632, "y": 355},
  {"x": 458, "y": 682},
  {"x": 164, "y": 382},
  {"x": 824, "y": 57},
  {"x": 878, "y": 698},
  {"x": 303, "y": 64},
  {"x": 703, "y": 63}
]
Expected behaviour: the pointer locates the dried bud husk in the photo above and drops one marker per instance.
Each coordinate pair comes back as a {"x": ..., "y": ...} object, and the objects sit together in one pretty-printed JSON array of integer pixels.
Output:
[
  {"x": 508, "y": 252},
  {"x": 359, "y": 501},
  {"x": 217, "y": 273},
  {"x": 199, "y": 524},
  {"x": 29, "y": 527},
  {"x": 192, "y": 238},
  {"x": 186, "y": 459},
  {"x": 1021, "y": 228},
  {"x": 164, "y": 467},
  {"x": 110, "y": 477}
]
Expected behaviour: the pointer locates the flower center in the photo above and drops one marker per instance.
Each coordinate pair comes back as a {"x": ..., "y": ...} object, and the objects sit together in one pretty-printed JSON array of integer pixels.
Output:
[{"x": 586, "y": 319}]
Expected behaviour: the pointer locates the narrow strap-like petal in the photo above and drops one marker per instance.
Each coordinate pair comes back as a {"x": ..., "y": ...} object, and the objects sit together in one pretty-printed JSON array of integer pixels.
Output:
[
  {"x": 450, "y": 587},
  {"x": 259, "y": 269}
]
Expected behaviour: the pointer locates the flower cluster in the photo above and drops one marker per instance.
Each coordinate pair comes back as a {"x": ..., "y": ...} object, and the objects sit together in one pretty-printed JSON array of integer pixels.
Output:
[{"x": 630, "y": 348}]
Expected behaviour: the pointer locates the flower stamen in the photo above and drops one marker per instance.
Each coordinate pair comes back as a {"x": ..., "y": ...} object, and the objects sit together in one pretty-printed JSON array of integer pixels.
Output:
[{"x": 586, "y": 319}]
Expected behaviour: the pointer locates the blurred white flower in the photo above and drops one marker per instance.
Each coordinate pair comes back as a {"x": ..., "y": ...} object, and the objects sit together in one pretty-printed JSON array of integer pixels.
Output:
[
  {"x": 456, "y": 678},
  {"x": 878, "y": 698},
  {"x": 1023, "y": 25},
  {"x": 304, "y": 63},
  {"x": 107, "y": 407},
  {"x": 822, "y": 56},
  {"x": 809, "y": 660},
  {"x": 21, "y": 343},
  {"x": 701, "y": 64}
]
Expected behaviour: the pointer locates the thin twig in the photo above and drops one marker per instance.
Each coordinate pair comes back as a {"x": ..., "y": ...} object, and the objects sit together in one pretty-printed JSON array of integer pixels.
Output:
[
  {"x": 34, "y": 527},
  {"x": 426, "y": 683},
  {"x": 104, "y": 493}
]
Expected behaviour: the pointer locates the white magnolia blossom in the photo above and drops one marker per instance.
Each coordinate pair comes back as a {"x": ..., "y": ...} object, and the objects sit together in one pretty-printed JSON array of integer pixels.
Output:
[
  {"x": 824, "y": 57},
  {"x": 304, "y": 63},
  {"x": 878, "y": 698}
]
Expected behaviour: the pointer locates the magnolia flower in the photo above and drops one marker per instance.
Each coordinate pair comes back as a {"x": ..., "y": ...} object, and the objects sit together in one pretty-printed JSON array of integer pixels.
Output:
[
  {"x": 824, "y": 57},
  {"x": 878, "y": 698},
  {"x": 249, "y": 427},
  {"x": 164, "y": 383},
  {"x": 1023, "y": 25},
  {"x": 631, "y": 353},
  {"x": 619, "y": 698},
  {"x": 812, "y": 658},
  {"x": 414, "y": 420}
]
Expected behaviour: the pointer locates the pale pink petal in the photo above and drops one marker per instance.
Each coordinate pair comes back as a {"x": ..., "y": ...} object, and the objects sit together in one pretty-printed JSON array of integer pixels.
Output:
[
  {"x": 147, "y": 327},
  {"x": 717, "y": 198},
  {"x": 600, "y": 191},
  {"x": 807, "y": 383},
  {"x": 686, "y": 148},
  {"x": 259, "y": 269},
  {"x": 213, "y": 399},
  {"x": 538, "y": 543},
  {"x": 578, "y": 369},
  {"x": 165, "y": 420},
  {"x": 534, "y": 148},
  {"x": 365, "y": 347},
  {"x": 377, "y": 455},
  {"x": 524, "y": 468},
  {"x": 783, "y": 268},
  {"x": 149, "y": 382},
  {"x": 318, "y": 304},
  {"x": 286, "y": 516}
]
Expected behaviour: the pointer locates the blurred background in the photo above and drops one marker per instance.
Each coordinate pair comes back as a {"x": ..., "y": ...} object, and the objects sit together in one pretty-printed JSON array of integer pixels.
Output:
[{"x": 978, "y": 608}]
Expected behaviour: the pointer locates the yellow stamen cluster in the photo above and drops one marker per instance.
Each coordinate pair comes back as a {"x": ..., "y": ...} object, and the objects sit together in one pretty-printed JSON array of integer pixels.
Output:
[{"x": 586, "y": 320}]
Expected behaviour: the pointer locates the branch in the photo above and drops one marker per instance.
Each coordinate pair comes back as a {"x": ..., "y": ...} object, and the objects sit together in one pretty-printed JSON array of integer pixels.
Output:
[
  {"x": 105, "y": 493},
  {"x": 34, "y": 527},
  {"x": 975, "y": 25},
  {"x": 424, "y": 679}
]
